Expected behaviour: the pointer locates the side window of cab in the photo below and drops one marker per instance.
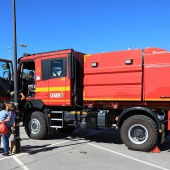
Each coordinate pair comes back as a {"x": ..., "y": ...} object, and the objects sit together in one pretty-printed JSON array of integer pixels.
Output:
[
  {"x": 57, "y": 68},
  {"x": 54, "y": 68}
]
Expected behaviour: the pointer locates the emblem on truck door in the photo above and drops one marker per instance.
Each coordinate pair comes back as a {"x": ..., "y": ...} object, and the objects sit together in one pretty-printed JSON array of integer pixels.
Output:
[{"x": 57, "y": 95}]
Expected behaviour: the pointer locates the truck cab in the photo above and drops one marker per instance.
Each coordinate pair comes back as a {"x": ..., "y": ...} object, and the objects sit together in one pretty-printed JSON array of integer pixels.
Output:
[
  {"x": 57, "y": 86},
  {"x": 54, "y": 80}
]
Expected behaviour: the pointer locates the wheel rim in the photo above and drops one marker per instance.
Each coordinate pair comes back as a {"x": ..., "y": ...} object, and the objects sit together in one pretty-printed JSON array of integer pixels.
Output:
[
  {"x": 138, "y": 134},
  {"x": 34, "y": 126}
]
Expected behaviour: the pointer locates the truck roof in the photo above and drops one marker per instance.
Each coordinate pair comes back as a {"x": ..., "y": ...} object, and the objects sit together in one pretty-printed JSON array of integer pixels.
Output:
[
  {"x": 36, "y": 55},
  {"x": 148, "y": 50}
]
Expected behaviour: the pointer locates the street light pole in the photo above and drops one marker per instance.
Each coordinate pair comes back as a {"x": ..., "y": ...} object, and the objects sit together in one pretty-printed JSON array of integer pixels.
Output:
[
  {"x": 9, "y": 53},
  {"x": 17, "y": 130},
  {"x": 23, "y": 46}
]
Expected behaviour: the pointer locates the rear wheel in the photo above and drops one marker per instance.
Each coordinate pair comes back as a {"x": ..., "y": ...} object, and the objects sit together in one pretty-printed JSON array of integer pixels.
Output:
[
  {"x": 36, "y": 126},
  {"x": 139, "y": 133}
]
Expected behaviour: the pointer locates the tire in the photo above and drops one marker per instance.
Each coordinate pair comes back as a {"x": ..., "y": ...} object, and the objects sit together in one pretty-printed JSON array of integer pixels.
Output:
[
  {"x": 36, "y": 126},
  {"x": 66, "y": 130},
  {"x": 139, "y": 133}
]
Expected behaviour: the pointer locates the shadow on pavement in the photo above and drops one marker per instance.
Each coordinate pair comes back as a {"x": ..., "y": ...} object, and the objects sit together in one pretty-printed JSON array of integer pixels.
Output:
[
  {"x": 103, "y": 136},
  {"x": 31, "y": 150},
  {"x": 109, "y": 136}
]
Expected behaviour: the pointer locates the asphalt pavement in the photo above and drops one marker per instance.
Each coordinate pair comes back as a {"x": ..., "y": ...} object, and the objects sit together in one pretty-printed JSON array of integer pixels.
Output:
[{"x": 84, "y": 150}]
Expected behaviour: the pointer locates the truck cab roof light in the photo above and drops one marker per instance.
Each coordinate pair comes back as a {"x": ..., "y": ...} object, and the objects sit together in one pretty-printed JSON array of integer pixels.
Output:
[
  {"x": 94, "y": 64},
  {"x": 128, "y": 61}
]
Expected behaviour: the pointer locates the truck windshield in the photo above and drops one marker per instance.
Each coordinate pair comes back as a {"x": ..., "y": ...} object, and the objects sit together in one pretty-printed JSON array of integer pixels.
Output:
[{"x": 6, "y": 71}]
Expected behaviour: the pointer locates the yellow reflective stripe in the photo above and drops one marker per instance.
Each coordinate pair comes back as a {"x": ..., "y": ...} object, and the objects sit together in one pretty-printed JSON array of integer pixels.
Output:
[
  {"x": 42, "y": 89},
  {"x": 73, "y": 112},
  {"x": 67, "y": 88},
  {"x": 114, "y": 99},
  {"x": 86, "y": 56},
  {"x": 46, "y": 89},
  {"x": 157, "y": 99},
  {"x": 78, "y": 112},
  {"x": 56, "y": 100}
]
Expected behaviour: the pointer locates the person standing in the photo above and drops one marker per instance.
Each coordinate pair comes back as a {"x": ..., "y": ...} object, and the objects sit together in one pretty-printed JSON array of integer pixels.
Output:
[
  {"x": 5, "y": 117},
  {"x": 11, "y": 110}
]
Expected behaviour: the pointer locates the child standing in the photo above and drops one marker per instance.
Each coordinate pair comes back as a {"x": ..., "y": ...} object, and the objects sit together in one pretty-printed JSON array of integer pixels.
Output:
[{"x": 12, "y": 114}]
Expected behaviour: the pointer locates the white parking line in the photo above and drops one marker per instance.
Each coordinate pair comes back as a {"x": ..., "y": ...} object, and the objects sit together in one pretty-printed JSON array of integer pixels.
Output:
[
  {"x": 23, "y": 166},
  {"x": 129, "y": 157},
  {"x": 5, "y": 158},
  {"x": 20, "y": 154},
  {"x": 20, "y": 163},
  {"x": 49, "y": 146}
]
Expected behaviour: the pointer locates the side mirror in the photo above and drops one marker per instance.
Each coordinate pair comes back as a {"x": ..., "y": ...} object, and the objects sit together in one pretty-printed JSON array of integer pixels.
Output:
[
  {"x": 5, "y": 66},
  {"x": 6, "y": 75}
]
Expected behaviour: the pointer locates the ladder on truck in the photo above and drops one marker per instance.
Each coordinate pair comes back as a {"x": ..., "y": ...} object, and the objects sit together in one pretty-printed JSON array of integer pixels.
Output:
[{"x": 57, "y": 119}]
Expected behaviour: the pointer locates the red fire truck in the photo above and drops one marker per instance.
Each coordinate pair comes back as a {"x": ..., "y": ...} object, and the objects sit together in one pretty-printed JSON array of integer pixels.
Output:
[{"x": 128, "y": 89}]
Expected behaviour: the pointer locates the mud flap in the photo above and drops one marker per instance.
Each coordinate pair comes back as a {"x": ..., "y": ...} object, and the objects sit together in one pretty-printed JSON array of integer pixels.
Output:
[{"x": 163, "y": 133}]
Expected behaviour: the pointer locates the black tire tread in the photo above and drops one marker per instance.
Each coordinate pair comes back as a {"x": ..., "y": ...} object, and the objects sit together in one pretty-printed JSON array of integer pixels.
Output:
[
  {"x": 43, "y": 133},
  {"x": 155, "y": 130}
]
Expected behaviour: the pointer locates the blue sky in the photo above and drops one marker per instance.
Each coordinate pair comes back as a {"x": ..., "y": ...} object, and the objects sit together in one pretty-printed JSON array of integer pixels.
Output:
[{"x": 89, "y": 26}]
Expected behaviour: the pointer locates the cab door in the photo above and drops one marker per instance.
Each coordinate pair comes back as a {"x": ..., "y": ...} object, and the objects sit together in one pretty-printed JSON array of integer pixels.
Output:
[{"x": 57, "y": 81}]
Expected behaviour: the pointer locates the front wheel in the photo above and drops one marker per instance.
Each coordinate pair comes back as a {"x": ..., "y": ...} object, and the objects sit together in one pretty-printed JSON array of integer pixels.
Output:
[
  {"x": 36, "y": 126},
  {"x": 139, "y": 133}
]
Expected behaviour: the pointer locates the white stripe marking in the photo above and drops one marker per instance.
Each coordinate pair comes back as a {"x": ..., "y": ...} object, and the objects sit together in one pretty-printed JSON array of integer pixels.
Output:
[
  {"x": 20, "y": 163},
  {"x": 138, "y": 160},
  {"x": 49, "y": 146},
  {"x": 20, "y": 154},
  {"x": 5, "y": 158}
]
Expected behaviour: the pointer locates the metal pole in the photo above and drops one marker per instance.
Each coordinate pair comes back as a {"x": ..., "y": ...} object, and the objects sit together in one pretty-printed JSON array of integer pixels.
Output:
[
  {"x": 23, "y": 46},
  {"x": 17, "y": 130},
  {"x": 9, "y": 53}
]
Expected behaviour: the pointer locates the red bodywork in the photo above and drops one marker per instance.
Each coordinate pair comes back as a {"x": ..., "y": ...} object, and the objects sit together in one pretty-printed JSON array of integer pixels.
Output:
[
  {"x": 53, "y": 91},
  {"x": 132, "y": 77},
  {"x": 111, "y": 80},
  {"x": 114, "y": 80}
]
